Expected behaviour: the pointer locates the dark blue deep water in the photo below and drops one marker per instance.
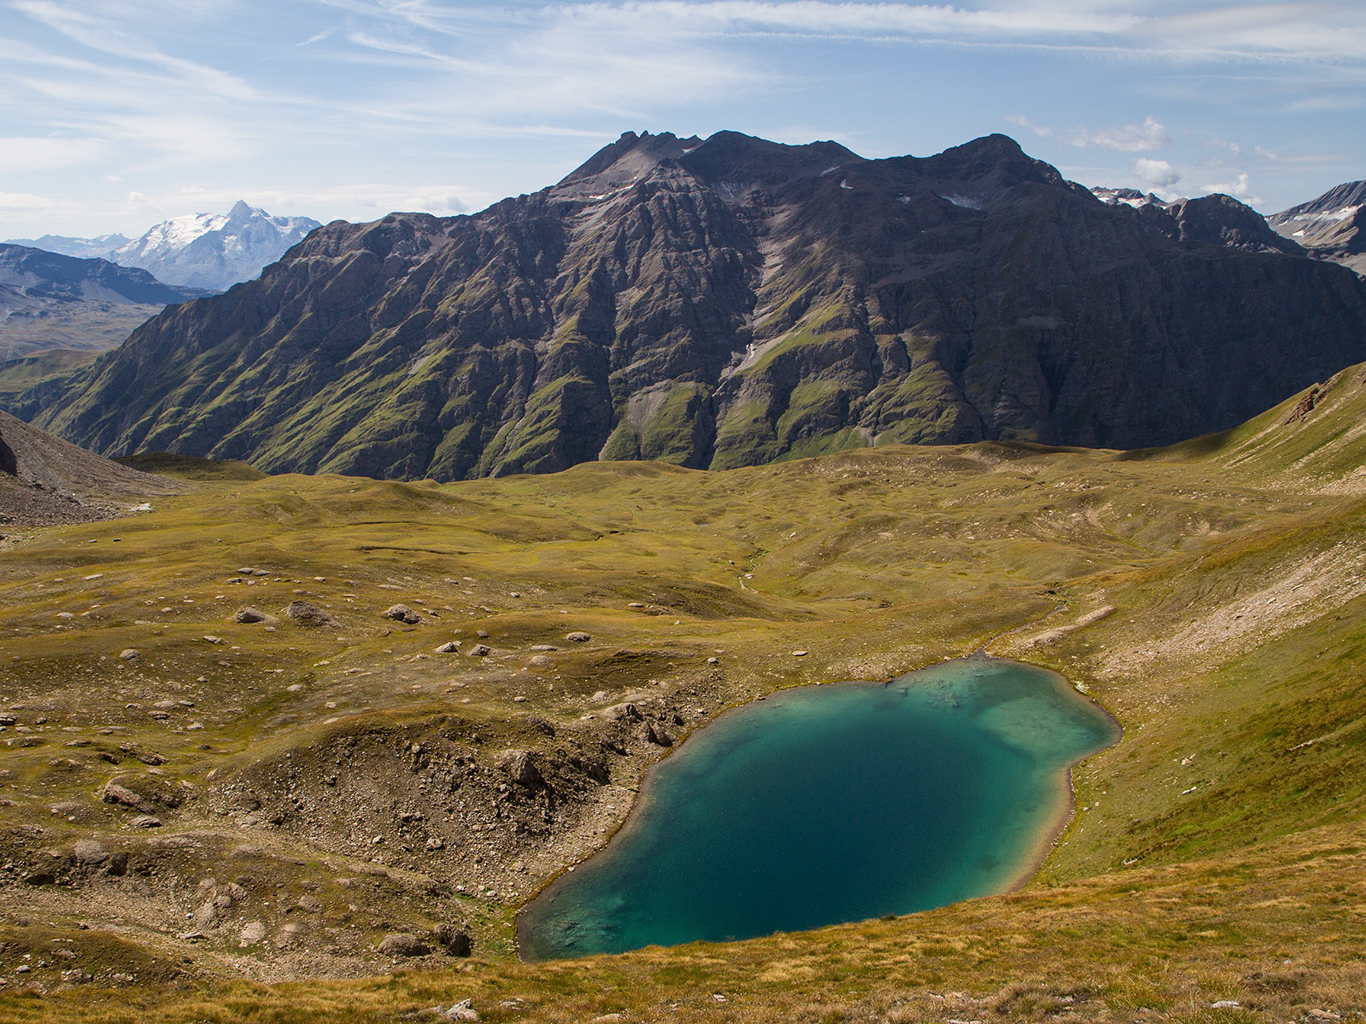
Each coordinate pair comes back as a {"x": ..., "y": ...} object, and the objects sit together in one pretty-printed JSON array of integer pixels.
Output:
[{"x": 832, "y": 803}]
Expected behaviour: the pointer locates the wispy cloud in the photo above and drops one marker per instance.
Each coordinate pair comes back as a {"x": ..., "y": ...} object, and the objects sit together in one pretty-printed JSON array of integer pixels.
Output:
[{"x": 1131, "y": 138}]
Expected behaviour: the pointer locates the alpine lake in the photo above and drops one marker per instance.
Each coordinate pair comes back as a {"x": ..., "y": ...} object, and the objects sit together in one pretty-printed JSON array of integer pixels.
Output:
[{"x": 833, "y": 803}]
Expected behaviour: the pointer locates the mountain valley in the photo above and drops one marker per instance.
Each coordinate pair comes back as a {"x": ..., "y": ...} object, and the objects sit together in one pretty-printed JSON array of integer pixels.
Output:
[
  {"x": 295, "y": 727},
  {"x": 423, "y": 548}
]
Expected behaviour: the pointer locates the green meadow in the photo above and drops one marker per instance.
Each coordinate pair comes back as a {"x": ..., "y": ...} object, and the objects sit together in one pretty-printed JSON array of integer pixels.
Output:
[{"x": 1209, "y": 596}]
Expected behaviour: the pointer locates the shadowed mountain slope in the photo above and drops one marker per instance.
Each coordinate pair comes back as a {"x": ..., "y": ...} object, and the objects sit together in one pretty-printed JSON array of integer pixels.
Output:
[{"x": 731, "y": 302}]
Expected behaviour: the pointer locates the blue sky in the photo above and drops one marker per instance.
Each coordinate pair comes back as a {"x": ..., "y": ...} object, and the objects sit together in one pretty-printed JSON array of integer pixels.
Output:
[{"x": 120, "y": 113}]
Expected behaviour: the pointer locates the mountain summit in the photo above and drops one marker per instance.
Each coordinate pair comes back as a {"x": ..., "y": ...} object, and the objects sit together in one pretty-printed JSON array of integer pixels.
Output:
[
  {"x": 733, "y": 301},
  {"x": 212, "y": 251}
]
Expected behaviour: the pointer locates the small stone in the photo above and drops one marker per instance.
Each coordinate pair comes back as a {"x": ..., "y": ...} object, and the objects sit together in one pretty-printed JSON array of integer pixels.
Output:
[
  {"x": 481, "y": 650},
  {"x": 544, "y": 647},
  {"x": 436, "y": 843},
  {"x": 403, "y": 944},
  {"x": 799, "y": 654},
  {"x": 713, "y": 661},
  {"x": 402, "y": 613},
  {"x": 578, "y": 638},
  {"x": 210, "y": 638},
  {"x": 130, "y": 654},
  {"x": 449, "y": 647},
  {"x": 482, "y": 634},
  {"x": 247, "y": 614},
  {"x": 1225, "y": 1004},
  {"x": 635, "y": 604},
  {"x": 252, "y": 934},
  {"x": 145, "y": 821}
]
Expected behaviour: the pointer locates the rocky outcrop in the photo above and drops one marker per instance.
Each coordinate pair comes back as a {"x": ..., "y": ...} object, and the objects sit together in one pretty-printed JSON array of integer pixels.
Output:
[{"x": 733, "y": 302}]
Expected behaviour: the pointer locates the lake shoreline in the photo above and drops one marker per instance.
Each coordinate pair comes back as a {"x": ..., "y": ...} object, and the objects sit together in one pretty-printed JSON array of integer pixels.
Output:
[{"x": 1057, "y": 808}]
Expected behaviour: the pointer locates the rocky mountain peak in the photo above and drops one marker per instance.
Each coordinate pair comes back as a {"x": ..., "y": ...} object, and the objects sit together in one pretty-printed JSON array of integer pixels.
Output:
[
  {"x": 629, "y": 157},
  {"x": 1222, "y": 220}
]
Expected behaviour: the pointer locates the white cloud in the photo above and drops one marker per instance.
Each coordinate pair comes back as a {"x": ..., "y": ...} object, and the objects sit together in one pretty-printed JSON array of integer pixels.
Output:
[
  {"x": 1158, "y": 173},
  {"x": 1240, "y": 188}
]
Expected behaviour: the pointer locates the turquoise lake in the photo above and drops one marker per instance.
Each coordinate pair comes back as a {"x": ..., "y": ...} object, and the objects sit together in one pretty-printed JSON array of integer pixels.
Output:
[{"x": 832, "y": 803}]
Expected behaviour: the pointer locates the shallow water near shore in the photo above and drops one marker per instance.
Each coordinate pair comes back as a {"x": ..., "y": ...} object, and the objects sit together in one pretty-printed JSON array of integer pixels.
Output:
[{"x": 826, "y": 804}]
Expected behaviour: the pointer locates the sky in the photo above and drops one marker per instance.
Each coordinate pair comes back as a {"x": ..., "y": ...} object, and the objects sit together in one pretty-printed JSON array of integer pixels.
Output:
[{"x": 117, "y": 114}]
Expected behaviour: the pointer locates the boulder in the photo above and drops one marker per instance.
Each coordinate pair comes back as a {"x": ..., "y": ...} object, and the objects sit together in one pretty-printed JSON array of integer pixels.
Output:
[
  {"x": 578, "y": 637},
  {"x": 306, "y": 614},
  {"x": 402, "y": 613},
  {"x": 130, "y": 654},
  {"x": 248, "y": 614},
  {"x": 122, "y": 795},
  {"x": 403, "y": 944},
  {"x": 91, "y": 853},
  {"x": 449, "y": 647},
  {"x": 652, "y": 733},
  {"x": 521, "y": 769},
  {"x": 455, "y": 940},
  {"x": 481, "y": 650}
]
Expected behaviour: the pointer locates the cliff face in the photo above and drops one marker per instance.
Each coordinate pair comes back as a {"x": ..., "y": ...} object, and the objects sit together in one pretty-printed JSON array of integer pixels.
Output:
[{"x": 730, "y": 302}]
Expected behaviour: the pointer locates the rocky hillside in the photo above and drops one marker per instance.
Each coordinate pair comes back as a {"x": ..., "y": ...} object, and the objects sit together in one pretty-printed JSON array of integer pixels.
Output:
[
  {"x": 46, "y": 481},
  {"x": 731, "y": 302},
  {"x": 1333, "y": 225}
]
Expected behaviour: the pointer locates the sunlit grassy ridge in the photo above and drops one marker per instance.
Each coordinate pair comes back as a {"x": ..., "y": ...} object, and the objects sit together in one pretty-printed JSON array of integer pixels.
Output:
[{"x": 1210, "y": 596}]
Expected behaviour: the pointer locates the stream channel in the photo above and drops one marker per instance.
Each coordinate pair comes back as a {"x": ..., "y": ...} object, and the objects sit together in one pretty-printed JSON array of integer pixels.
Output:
[{"x": 824, "y": 804}]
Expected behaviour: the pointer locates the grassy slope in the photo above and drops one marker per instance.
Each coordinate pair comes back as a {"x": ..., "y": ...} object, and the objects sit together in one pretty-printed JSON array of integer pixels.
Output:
[{"x": 1209, "y": 595}]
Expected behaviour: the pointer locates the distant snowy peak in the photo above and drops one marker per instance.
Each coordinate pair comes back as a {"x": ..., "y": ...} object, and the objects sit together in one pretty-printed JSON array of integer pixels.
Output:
[
  {"x": 214, "y": 250},
  {"x": 1125, "y": 196},
  {"x": 98, "y": 248}
]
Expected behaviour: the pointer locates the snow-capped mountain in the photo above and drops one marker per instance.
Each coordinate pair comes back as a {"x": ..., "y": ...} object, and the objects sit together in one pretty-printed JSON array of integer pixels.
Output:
[
  {"x": 214, "y": 250},
  {"x": 97, "y": 248},
  {"x": 1128, "y": 196},
  {"x": 203, "y": 250}
]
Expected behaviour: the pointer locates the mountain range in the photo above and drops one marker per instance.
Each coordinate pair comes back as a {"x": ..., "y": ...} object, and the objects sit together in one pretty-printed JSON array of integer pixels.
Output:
[
  {"x": 53, "y": 301},
  {"x": 732, "y": 302},
  {"x": 203, "y": 250}
]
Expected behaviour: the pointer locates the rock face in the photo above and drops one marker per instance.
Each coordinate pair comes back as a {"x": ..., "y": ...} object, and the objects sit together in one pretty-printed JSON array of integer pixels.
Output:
[
  {"x": 1333, "y": 225},
  {"x": 734, "y": 302}
]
